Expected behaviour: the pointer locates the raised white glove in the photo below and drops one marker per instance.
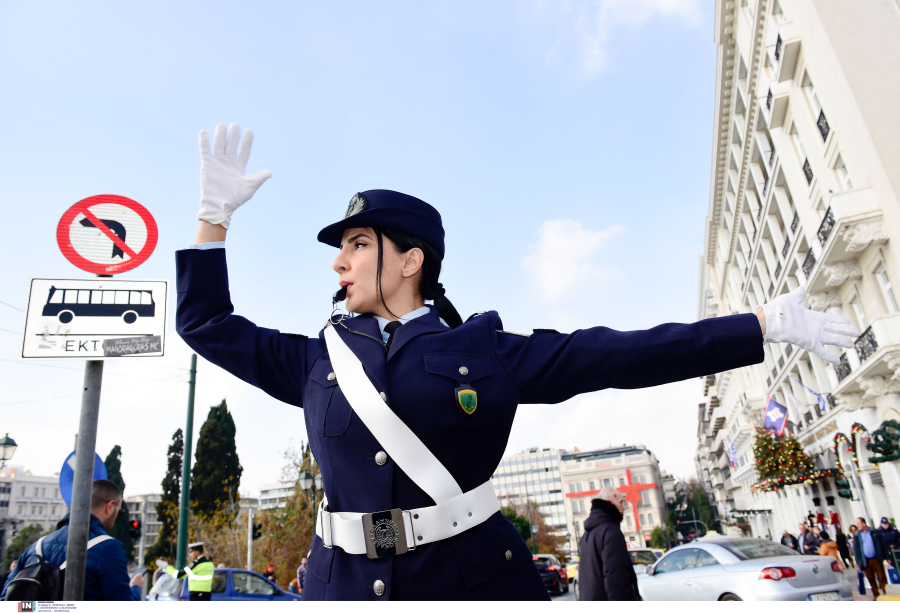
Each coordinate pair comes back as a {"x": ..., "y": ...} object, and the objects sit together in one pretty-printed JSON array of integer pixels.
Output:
[
  {"x": 162, "y": 564},
  {"x": 223, "y": 186},
  {"x": 787, "y": 321}
]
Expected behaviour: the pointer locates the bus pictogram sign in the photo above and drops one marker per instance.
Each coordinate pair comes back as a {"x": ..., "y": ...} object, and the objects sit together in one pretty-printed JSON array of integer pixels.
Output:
[{"x": 107, "y": 234}]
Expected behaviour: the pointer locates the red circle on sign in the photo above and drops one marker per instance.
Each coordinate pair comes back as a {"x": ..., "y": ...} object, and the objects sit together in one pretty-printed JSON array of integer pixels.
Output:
[{"x": 81, "y": 207}]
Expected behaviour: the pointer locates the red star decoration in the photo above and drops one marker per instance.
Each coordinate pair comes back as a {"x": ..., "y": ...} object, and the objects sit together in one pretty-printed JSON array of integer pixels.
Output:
[{"x": 632, "y": 493}]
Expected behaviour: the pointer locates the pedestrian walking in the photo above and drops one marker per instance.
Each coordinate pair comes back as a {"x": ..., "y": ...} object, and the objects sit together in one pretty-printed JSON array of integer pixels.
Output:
[
  {"x": 406, "y": 506},
  {"x": 606, "y": 571},
  {"x": 200, "y": 573},
  {"x": 807, "y": 541},
  {"x": 106, "y": 572},
  {"x": 3, "y": 577},
  {"x": 789, "y": 540},
  {"x": 869, "y": 551},
  {"x": 890, "y": 535},
  {"x": 841, "y": 540},
  {"x": 829, "y": 547},
  {"x": 301, "y": 576}
]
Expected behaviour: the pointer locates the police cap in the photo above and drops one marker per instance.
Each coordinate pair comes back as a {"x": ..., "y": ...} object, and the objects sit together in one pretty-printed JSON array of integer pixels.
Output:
[{"x": 384, "y": 208}]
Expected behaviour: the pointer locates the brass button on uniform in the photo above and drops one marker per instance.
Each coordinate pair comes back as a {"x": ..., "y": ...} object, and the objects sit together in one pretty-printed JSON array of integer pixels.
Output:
[
  {"x": 508, "y": 555},
  {"x": 381, "y": 458},
  {"x": 379, "y": 587},
  {"x": 331, "y": 376},
  {"x": 463, "y": 370}
]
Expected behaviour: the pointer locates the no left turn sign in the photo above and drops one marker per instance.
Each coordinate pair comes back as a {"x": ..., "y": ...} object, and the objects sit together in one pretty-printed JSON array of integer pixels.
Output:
[{"x": 107, "y": 234}]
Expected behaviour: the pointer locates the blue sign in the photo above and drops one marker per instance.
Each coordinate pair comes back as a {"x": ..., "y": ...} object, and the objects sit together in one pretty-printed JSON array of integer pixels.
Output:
[
  {"x": 776, "y": 417},
  {"x": 67, "y": 475}
]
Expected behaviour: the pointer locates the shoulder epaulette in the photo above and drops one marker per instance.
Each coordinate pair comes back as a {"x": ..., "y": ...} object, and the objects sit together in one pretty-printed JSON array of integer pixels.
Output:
[{"x": 474, "y": 315}]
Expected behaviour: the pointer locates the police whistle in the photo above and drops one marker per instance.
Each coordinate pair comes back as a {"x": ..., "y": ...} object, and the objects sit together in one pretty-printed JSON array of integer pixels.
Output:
[{"x": 339, "y": 296}]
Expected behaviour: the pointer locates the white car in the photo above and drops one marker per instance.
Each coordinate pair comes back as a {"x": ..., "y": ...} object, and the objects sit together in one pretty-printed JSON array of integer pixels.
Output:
[{"x": 733, "y": 568}]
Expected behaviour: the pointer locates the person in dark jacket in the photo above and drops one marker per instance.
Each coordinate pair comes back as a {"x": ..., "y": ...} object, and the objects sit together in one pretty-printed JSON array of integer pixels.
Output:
[
  {"x": 869, "y": 551},
  {"x": 789, "y": 540},
  {"x": 841, "y": 539},
  {"x": 605, "y": 571},
  {"x": 891, "y": 537},
  {"x": 809, "y": 542},
  {"x": 106, "y": 576}
]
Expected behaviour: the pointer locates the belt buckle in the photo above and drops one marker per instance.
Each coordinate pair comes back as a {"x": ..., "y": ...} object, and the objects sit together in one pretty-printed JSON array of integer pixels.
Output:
[{"x": 385, "y": 533}]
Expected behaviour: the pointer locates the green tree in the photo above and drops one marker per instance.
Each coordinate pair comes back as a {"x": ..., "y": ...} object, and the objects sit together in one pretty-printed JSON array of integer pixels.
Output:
[
  {"x": 121, "y": 530},
  {"x": 217, "y": 470},
  {"x": 20, "y": 542},
  {"x": 704, "y": 510},
  {"x": 167, "y": 509},
  {"x": 519, "y": 521}
]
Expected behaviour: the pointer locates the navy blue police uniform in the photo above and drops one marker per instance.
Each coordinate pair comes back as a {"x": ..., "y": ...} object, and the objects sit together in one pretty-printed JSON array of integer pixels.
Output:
[{"x": 426, "y": 363}]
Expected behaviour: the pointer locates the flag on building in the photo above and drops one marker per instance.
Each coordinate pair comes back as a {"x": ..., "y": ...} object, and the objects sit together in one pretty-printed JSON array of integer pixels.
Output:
[
  {"x": 819, "y": 397},
  {"x": 776, "y": 417},
  {"x": 732, "y": 456},
  {"x": 793, "y": 407}
]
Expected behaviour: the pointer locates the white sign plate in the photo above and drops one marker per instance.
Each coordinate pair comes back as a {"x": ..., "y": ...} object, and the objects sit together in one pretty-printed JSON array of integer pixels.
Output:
[{"x": 95, "y": 319}]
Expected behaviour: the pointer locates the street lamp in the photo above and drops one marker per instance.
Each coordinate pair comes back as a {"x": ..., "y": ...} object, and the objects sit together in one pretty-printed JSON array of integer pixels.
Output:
[
  {"x": 7, "y": 449},
  {"x": 310, "y": 484}
]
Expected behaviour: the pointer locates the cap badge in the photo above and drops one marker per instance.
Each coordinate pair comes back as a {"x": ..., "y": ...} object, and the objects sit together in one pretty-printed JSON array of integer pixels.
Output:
[{"x": 358, "y": 204}]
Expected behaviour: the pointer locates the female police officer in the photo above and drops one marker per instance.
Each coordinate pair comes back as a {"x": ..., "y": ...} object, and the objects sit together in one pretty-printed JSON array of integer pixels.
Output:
[{"x": 407, "y": 409}]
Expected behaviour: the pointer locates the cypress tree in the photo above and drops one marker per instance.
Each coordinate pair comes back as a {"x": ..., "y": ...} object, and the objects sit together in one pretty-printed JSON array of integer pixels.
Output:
[
  {"x": 167, "y": 508},
  {"x": 121, "y": 530},
  {"x": 217, "y": 470}
]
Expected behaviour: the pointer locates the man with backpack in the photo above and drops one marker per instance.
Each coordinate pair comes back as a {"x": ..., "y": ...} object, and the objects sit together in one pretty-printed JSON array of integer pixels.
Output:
[{"x": 41, "y": 569}]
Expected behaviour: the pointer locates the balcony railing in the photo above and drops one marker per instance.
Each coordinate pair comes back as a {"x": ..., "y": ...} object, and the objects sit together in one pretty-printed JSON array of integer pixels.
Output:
[
  {"x": 831, "y": 401},
  {"x": 789, "y": 350},
  {"x": 787, "y": 247},
  {"x": 843, "y": 369},
  {"x": 774, "y": 373},
  {"x": 778, "y": 48},
  {"x": 807, "y": 170},
  {"x": 825, "y": 227},
  {"x": 768, "y": 381},
  {"x": 866, "y": 345},
  {"x": 772, "y": 157},
  {"x": 808, "y": 263},
  {"x": 769, "y": 100},
  {"x": 778, "y": 270},
  {"x": 795, "y": 223},
  {"x": 781, "y": 362},
  {"x": 822, "y": 124},
  {"x": 771, "y": 288}
]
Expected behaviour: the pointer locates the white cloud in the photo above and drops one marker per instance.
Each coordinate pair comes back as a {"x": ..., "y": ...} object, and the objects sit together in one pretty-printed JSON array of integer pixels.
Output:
[
  {"x": 586, "y": 27},
  {"x": 562, "y": 258},
  {"x": 664, "y": 418}
]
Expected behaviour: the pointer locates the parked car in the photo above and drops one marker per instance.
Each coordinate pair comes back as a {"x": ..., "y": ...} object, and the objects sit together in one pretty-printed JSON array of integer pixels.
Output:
[
  {"x": 658, "y": 552},
  {"x": 734, "y": 568},
  {"x": 641, "y": 559},
  {"x": 572, "y": 568},
  {"x": 228, "y": 584},
  {"x": 553, "y": 572}
]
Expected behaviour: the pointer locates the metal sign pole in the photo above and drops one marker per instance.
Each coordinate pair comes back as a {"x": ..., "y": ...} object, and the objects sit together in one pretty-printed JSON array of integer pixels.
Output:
[
  {"x": 249, "y": 537},
  {"x": 80, "y": 513},
  {"x": 181, "y": 558}
]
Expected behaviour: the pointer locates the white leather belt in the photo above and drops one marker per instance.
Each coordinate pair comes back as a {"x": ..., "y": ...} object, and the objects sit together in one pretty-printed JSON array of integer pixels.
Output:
[
  {"x": 360, "y": 533},
  {"x": 396, "y": 531}
]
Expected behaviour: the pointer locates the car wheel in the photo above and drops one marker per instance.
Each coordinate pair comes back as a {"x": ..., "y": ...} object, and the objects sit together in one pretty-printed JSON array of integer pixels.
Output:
[
  {"x": 130, "y": 317},
  {"x": 577, "y": 592},
  {"x": 558, "y": 591},
  {"x": 729, "y": 597},
  {"x": 65, "y": 317}
]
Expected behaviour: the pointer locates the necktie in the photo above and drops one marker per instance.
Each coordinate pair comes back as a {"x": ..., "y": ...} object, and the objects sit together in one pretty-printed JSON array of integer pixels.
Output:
[{"x": 390, "y": 329}]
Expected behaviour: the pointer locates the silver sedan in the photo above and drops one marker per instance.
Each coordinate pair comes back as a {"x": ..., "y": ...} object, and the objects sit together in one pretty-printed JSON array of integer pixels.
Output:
[{"x": 734, "y": 568}]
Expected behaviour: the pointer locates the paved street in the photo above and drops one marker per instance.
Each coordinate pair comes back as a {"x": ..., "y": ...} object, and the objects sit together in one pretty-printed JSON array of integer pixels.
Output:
[{"x": 570, "y": 595}]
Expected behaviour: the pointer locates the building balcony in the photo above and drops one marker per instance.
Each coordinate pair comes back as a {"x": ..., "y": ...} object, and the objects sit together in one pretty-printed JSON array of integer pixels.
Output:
[
  {"x": 787, "y": 50},
  {"x": 852, "y": 223},
  {"x": 776, "y": 105},
  {"x": 871, "y": 357}
]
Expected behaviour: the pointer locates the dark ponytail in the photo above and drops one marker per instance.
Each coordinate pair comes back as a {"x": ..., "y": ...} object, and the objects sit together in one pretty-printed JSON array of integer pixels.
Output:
[{"x": 429, "y": 287}]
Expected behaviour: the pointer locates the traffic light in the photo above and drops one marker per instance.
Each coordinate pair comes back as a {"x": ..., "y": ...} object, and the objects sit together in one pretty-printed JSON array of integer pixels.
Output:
[
  {"x": 135, "y": 529},
  {"x": 843, "y": 488},
  {"x": 257, "y": 531}
]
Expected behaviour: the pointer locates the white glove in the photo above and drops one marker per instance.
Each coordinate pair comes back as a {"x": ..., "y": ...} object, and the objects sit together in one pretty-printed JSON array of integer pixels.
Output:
[
  {"x": 223, "y": 186},
  {"x": 787, "y": 321},
  {"x": 162, "y": 564}
]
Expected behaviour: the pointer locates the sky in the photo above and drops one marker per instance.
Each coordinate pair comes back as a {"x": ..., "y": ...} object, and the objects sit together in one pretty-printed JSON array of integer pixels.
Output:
[{"x": 566, "y": 144}]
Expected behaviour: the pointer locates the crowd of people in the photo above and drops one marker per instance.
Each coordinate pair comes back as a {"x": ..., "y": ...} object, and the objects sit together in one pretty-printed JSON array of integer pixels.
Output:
[{"x": 862, "y": 547}]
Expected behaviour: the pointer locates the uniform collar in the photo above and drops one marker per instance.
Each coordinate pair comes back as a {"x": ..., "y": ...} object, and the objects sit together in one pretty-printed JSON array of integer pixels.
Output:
[
  {"x": 382, "y": 322},
  {"x": 427, "y": 323}
]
